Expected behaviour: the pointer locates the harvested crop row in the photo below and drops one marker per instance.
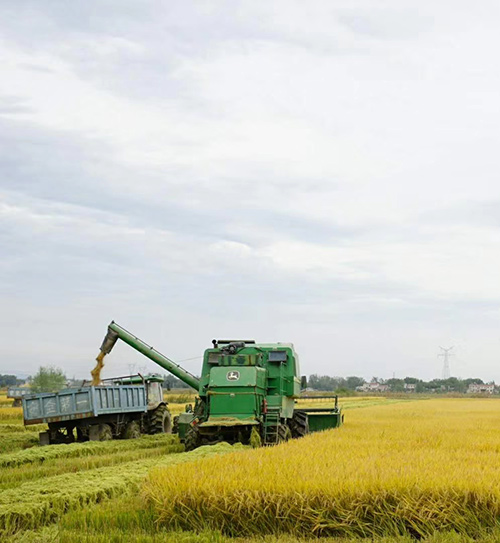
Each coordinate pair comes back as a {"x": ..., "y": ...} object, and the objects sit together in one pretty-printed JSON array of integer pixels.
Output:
[
  {"x": 15, "y": 441},
  {"x": 407, "y": 468},
  {"x": 12, "y": 477},
  {"x": 42, "y": 454},
  {"x": 36, "y": 503}
]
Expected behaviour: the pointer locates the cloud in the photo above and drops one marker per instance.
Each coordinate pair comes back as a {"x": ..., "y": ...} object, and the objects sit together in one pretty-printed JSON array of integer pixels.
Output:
[{"x": 315, "y": 173}]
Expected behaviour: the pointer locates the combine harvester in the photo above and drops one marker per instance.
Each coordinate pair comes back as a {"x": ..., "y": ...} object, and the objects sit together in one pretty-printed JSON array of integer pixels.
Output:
[{"x": 247, "y": 393}]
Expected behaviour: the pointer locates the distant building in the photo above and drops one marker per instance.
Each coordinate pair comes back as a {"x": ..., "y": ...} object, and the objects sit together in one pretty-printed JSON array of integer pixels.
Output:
[
  {"x": 475, "y": 388},
  {"x": 410, "y": 387},
  {"x": 373, "y": 387}
]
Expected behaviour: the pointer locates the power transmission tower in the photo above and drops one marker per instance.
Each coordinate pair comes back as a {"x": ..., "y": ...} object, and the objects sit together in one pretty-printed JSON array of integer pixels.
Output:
[{"x": 446, "y": 361}]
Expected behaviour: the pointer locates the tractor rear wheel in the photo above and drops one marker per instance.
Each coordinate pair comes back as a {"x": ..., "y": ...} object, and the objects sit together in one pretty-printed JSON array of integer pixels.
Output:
[
  {"x": 299, "y": 425},
  {"x": 192, "y": 439},
  {"x": 160, "y": 421}
]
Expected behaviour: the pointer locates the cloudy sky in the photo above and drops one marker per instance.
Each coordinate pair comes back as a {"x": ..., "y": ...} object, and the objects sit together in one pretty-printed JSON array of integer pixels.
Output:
[{"x": 325, "y": 173}]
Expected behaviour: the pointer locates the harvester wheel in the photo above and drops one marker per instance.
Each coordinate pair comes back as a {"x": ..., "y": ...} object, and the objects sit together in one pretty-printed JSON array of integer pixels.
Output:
[
  {"x": 132, "y": 430},
  {"x": 299, "y": 425},
  {"x": 160, "y": 421},
  {"x": 284, "y": 433},
  {"x": 192, "y": 439},
  {"x": 175, "y": 425}
]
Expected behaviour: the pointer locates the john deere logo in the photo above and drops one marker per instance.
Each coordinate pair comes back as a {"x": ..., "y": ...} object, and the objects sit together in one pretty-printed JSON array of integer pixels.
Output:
[{"x": 233, "y": 375}]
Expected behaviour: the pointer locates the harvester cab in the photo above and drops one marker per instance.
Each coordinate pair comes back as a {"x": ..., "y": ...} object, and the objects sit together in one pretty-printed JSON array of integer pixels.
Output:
[{"x": 247, "y": 392}]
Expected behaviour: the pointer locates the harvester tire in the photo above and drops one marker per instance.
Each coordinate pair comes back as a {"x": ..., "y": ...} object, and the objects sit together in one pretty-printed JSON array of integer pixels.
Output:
[
  {"x": 192, "y": 439},
  {"x": 284, "y": 433},
  {"x": 160, "y": 421},
  {"x": 299, "y": 425},
  {"x": 175, "y": 425},
  {"x": 132, "y": 430}
]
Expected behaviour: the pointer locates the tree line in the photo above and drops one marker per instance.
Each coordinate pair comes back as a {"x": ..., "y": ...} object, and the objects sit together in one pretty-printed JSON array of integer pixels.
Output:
[{"x": 452, "y": 384}]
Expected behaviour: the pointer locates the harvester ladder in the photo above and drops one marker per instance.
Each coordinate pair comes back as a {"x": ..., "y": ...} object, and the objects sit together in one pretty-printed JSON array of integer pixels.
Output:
[{"x": 271, "y": 425}]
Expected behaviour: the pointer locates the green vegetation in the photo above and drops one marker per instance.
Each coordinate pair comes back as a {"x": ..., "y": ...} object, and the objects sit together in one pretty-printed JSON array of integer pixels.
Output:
[{"x": 48, "y": 379}]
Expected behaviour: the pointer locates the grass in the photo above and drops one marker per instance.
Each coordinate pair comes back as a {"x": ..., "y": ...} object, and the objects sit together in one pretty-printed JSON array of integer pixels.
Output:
[{"x": 409, "y": 468}]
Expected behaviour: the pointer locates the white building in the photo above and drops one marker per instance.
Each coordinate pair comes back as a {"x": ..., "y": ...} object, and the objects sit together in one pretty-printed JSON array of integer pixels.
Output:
[
  {"x": 373, "y": 387},
  {"x": 481, "y": 389}
]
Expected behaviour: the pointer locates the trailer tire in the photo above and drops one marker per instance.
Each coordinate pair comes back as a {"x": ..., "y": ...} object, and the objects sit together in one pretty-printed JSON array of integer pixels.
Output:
[
  {"x": 105, "y": 432},
  {"x": 299, "y": 425},
  {"x": 160, "y": 421},
  {"x": 100, "y": 432},
  {"x": 192, "y": 439},
  {"x": 132, "y": 430}
]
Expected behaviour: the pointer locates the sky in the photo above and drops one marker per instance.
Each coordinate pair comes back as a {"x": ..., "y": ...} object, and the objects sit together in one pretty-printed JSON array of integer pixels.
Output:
[{"x": 322, "y": 173}]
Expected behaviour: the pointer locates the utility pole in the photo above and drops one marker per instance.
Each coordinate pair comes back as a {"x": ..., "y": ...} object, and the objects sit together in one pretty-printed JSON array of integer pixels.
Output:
[{"x": 446, "y": 363}]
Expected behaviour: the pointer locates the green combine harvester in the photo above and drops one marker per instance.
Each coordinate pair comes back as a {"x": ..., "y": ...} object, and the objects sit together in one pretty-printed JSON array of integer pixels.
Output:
[{"x": 247, "y": 392}]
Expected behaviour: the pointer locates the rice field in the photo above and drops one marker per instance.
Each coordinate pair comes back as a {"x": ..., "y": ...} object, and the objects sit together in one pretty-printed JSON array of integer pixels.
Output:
[
  {"x": 409, "y": 468},
  {"x": 397, "y": 471}
]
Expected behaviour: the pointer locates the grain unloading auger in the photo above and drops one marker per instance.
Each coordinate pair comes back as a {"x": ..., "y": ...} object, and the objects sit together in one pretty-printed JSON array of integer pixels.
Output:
[{"x": 247, "y": 392}]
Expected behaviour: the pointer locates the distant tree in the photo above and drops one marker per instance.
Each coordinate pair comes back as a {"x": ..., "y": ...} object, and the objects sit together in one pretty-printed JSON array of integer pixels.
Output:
[
  {"x": 352, "y": 382},
  {"x": 396, "y": 385},
  {"x": 411, "y": 380},
  {"x": 8, "y": 380},
  {"x": 170, "y": 382},
  {"x": 48, "y": 379}
]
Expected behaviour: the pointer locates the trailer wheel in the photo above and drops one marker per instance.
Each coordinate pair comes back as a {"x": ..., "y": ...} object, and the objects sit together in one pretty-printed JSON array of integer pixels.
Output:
[
  {"x": 192, "y": 439},
  {"x": 299, "y": 425},
  {"x": 132, "y": 430},
  {"x": 160, "y": 421},
  {"x": 100, "y": 432}
]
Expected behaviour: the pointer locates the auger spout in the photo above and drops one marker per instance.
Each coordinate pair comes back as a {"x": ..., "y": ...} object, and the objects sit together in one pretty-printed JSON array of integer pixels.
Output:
[{"x": 115, "y": 332}]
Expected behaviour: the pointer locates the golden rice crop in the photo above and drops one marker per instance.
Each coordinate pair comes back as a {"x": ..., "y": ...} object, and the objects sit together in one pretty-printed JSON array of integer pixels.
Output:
[
  {"x": 11, "y": 413},
  {"x": 409, "y": 468}
]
